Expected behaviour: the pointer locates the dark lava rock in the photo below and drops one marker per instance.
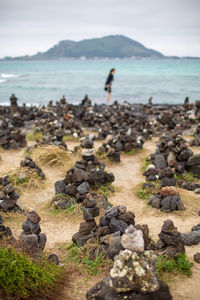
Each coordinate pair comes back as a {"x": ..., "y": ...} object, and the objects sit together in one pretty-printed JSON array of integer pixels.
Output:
[
  {"x": 128, "y": 217},
  {"x": 191, "y": 238},
  {"x": 194, "y": 160},
  {"x": 197, "y": 257},
  {"x": 81, "y": 239},
  {"x": 53, "y": 258},
  {"x": 83, "y": 188},
  {"x": 90, "y": 213},
  {"x": 114, "y": 247},
  {"x": 114, "y": 156},
  {"x": 60, "y": 187},
  {"x": 87, "y": 227},
  {"x": 160, "y": 161},
  {"x": 30, "y": 227},
  {"x": 168, "y": 182},
  {"x": 171, "y": 240},
  {"x": 117, "y": 225}
]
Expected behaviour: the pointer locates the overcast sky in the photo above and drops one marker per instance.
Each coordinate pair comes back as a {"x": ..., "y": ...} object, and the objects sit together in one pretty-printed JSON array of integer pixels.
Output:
[{"x": 169, "y": 26}]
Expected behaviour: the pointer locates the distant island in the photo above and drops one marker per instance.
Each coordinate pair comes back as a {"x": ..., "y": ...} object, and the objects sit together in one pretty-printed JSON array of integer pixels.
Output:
[{"x": 112, "y": 46}]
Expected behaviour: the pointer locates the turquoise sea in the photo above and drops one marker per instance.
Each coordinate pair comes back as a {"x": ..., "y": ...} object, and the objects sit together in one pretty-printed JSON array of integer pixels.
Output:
[{"x": 37, "y": 82}]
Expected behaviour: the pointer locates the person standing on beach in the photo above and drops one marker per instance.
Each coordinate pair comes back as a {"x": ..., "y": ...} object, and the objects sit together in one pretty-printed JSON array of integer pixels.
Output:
[{"x": 108, "y": 84}]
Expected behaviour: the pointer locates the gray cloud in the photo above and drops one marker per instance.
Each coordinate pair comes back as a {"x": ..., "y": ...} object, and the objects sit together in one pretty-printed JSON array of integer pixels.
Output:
[{"x": 172, "y": 27}]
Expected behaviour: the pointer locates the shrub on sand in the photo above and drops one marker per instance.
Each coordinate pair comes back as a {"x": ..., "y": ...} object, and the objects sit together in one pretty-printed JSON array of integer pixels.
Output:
[
  {"x": 21, "y": 278},
  {"x": 51, "y": 156},
  {"x": 26, "y": 177},
  {"x": 34, "y": 135}
]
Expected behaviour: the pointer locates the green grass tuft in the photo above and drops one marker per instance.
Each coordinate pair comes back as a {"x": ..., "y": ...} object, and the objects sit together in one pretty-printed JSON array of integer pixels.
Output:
[
  {"x": 34, "y": 135},
  {"x": 178, "y": 264},
  {"x": 70, "y": 138},
  {"x": 81, "y": 256},
  {"x": 133, "y": 151},
  {"x": 188, "y": 177},
  {"x": 145, "y": 164},
  {"x": 21, "y": 278},
  {"x": 144, "y": 193},
  {"x": 105, "y": 189}
]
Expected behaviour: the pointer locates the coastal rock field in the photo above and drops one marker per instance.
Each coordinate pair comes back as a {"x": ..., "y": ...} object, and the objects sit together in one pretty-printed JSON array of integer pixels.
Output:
[{"x": 115, "y": 191}]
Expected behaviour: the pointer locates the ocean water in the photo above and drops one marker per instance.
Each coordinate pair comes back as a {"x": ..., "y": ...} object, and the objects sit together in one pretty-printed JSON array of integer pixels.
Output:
[{"x": 37, "y": 82}]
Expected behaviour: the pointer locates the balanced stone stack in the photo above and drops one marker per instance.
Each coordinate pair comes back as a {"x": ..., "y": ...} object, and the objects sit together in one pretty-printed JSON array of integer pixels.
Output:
[
  {"x": 123, "y": 141},
  {"x": 86, "y": 173},
  {"x": 172, "y": 151},
  {"x": 31, "y": 239},
  {"x": 10, "y": 136},
  {"x": 132, "y": 276},
  {"x": 8, "y": 195},
  {"x": 167, "y": 200},
  {"x": 171, "y": 241},
  {"x": 87, "y": 228},
  {"x": 115, "y": 232},
  {"x": 28, "y": 162}
]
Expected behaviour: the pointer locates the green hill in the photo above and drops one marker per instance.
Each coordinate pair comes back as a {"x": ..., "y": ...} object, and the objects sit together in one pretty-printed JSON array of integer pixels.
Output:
[{"x": 109, "y": 46}]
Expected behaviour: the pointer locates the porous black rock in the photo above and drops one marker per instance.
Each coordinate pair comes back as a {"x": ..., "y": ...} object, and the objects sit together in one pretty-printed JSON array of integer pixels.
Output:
[{"x": 171, "y": 241}]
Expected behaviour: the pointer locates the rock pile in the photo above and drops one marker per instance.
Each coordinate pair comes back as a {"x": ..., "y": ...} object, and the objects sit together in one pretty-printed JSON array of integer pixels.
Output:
[
  {"x": 171, "y": 241},
  {"x": 8, "y": 195},
  {"x": 31, "y": 239},
  {"x": 28, "y": 162},
  {"x": 10, "y": 136},
  {"x": 86, "y": 173},
  {"x": 167, "y": 200},
  {"x": 132, "y": 276},
  {"x": 172, "y": 151},
  {"x": 115, "y": 232},
  {"x": 123, "y": 141}
]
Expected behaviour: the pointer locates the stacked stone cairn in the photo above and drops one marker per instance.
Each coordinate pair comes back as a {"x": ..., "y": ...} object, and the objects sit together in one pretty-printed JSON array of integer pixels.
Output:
[
  {"x": 172, "y": 151},
  {"x": 31, "y": 239},
  {"x": 167, "y": 199},
  {"x": 8, "y": 195},
  {"x": 28, "y": 162},
  {"x": 133, "y": 273},
  {"x": 115, "y": 232},
  {"x": 170, "y": 240},
  {"x": 122, "y": 141},
  {"x": 86, "y": 174},
  {"x": 10, "y": 136}
]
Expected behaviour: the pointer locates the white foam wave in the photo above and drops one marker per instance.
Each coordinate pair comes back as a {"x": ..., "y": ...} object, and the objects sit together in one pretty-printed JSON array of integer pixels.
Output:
[
  {"x": 5, "y": 75},
  {"x": 2, "y": 80}
]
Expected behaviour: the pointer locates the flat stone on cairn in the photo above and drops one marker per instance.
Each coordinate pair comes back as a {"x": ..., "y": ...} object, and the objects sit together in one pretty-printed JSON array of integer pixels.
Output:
[
  {"x": 31, "y": 239},
  {"x": 171, "y": 241}
]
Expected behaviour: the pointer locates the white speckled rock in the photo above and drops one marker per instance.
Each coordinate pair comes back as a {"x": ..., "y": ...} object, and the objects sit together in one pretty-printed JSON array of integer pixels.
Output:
[
  {"x": 134, "y": 272},
  {"x": 133, "y": 239}
]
